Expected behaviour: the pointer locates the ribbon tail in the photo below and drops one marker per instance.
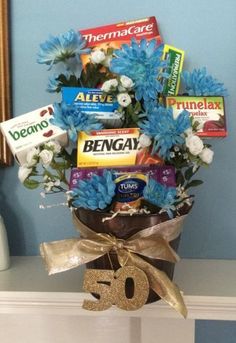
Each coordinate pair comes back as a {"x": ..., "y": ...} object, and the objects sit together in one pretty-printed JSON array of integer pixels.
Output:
[
  {"x": 63, "y": 255},
  {"x": 166, "y": 289},
  {"x": 159, "y": 282}
]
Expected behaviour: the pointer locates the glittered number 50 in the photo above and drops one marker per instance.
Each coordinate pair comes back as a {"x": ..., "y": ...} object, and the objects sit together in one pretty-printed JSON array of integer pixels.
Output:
[{"x": 110, "y": 287}]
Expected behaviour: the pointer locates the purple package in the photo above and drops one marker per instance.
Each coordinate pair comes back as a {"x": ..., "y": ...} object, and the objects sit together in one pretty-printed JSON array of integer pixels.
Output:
[{"x": 163, "y": 174}]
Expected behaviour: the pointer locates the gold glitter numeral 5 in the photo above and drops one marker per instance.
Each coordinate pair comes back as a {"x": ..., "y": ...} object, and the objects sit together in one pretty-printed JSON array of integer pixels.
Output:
[
  {"x": 99, "y": 282},
  {"x": 110, "y": 287}
]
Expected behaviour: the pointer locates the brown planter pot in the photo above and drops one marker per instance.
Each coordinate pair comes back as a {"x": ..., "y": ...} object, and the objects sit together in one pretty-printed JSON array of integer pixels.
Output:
[{"x": 124, "y": 226}]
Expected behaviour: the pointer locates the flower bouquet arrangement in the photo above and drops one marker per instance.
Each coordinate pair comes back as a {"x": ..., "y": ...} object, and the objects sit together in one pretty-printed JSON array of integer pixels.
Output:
[
  {"x": 143, "y": 153},
  {"x": 135, "y": 76}
]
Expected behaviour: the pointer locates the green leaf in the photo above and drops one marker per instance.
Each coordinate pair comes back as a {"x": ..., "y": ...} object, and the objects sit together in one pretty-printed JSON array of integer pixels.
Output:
[
  {"x": 47, "y": 173},
  {"x": 74, "y": 157},
  {"x": 195, "y": 126},
  {"x": 53, "y": 165},
  {"x": 71, "y": 82},
  {"x": 188, "y": 173},
  {"x": 61, "y": 165},
  {"x": 110, "y": 51},
  {"x": 194, "y": 183},
  {"x": 135, "y": 118},
  {"x": 92, "y": 75},
  {"x": 179, "y": 178},
  {"x": 31, "y": 184},
  {"x": 137, "y": 107},
  {"x": 131, "y": 118}
]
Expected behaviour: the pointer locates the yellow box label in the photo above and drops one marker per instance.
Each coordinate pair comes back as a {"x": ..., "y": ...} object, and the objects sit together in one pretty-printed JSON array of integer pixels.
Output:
[{"x": 104, "y": 148}]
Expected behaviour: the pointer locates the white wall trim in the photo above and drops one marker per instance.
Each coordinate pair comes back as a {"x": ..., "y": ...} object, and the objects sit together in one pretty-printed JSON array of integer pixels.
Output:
[
  {"x": 26, "y": 288},
  {"x": 199, "y": 307}
]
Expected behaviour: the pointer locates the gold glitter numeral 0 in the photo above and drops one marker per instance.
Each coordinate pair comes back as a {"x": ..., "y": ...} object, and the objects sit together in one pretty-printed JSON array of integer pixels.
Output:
[{"x": 109, "y": 286}]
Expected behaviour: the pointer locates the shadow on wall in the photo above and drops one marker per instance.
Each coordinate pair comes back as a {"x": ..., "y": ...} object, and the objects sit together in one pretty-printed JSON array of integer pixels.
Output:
[{"x": 11, "y": 211}]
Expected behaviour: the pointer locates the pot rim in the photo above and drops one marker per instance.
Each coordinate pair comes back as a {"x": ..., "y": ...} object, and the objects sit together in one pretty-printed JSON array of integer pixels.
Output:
[
  {"x": 186, "y": 209},
  {"x": 126, "y": 215}
]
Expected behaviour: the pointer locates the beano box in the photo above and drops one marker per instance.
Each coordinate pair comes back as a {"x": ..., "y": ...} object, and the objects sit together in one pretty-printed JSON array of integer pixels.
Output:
[
  {"x": 114, "y": 35},
  {"x": 30, "y": 130}
]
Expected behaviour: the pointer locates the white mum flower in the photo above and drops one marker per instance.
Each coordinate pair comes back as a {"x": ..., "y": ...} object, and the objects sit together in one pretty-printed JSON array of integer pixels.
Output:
[
  {"x": 46, "y": 157},
  {"x": 48, "y": 186},
  {"x": 108, "y": 85},
  {"x": 54, "y": 145},
  {"x": 97, "y": 56},
  {"x": 189, "y": 131},
  {"x": 176, "y": 148},
  {"x": 144, "y": 140},
  {"x": 121, "y": 89},
  {"x": 194, "y": 144},
  {"x": 206, "y": 155},
  {"x": 126, "y": 82},
  {"x": 124, "y": 99},
  {"x": 32, "y": 157},
  {"x": 57, "y": 183},
  {"x": 46, "y": 178},
  {"x": 24, "y": 172}
]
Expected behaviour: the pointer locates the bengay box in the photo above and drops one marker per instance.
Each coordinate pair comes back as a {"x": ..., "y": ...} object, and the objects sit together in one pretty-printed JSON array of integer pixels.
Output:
[
  {"x": 94, "y": 102},
  {"x": 208, "y": 111},
  {"x": 31, "y": 129},
  {"x": 114, "y": 35},
  {"x": 113, "y": 147}
]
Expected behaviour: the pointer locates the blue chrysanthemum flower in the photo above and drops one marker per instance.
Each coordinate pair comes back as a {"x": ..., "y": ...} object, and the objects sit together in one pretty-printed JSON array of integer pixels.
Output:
[
  {"x": 94, "y": 193},
  {"x": 70, "y": 118},
  {"x": 142, "y": 62},
  {"x": 165, "y": 130},
  {"x": 61, "y": 48},
  {"x": 160, "y": 195},
  {"x": 52, "y": 84},
  {"x": 198, "y": 83}
]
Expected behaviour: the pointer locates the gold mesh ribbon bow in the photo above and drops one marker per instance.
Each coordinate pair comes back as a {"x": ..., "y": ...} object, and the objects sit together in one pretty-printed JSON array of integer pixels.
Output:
[{"x": 151, "y": 242}]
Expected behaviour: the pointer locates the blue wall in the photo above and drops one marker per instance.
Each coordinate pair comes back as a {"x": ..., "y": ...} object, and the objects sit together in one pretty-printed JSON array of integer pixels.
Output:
[
  {"x": 206, "y": 31},
  {"x": 210, "y": 331}
]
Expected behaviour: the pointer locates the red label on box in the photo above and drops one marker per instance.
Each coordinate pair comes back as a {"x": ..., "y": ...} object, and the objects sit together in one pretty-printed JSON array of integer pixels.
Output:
[
  {"x": 207, "y": 111},
  {"x": 114, "y": 35}
]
